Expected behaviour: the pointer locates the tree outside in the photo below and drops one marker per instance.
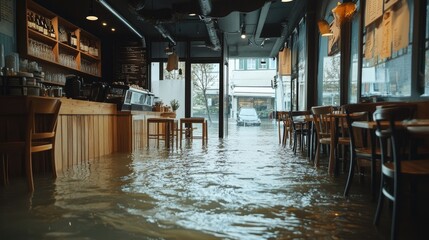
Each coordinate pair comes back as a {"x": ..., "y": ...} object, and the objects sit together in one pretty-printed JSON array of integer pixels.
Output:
[{"x": 205, "y": 77}]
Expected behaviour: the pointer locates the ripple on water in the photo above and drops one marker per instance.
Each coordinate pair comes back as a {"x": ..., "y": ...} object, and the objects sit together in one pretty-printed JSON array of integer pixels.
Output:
[{"x": 246, "y": 186}]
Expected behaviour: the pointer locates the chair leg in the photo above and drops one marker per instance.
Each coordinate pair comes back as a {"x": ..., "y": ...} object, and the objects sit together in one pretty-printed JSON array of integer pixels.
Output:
[
  {"x": 5, "y": 168},
  {"x": 53, "y": 164},
  {"x": 380, "y": 203},
  {"x": 29, "y": 171},
  {"x": 351, "y": 174},
  {"x": 317, "y": 156},
  {"x": 294, "y": 142}
]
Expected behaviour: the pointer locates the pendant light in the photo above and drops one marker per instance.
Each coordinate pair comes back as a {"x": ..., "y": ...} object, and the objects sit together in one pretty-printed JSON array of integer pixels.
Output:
[
  {"x": 91, "y": 14},
  {"x": 324, "y": 28}
]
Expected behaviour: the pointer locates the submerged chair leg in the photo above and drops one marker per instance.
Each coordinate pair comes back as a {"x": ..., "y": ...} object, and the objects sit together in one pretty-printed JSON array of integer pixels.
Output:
[
  {"x": 380, "y": 203},
  {"x": 351, "y": 174}
]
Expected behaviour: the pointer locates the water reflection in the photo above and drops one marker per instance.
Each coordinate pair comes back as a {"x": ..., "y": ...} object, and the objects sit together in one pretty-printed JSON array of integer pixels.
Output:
[{"x": 242, "y": 187}]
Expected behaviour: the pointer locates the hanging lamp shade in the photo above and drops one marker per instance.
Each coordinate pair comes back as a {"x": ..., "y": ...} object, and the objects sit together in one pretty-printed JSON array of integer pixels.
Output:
[
  {"x": 172, "y": 62},
  {"x": 324, "y": 28},
  {"x": 344, "y": 11},
  {"x": 91, "y": 14}
]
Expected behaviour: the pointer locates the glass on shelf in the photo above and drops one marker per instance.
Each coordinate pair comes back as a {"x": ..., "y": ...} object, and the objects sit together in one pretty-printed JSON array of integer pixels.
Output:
[
  {"x": 40, "y": 50},
  {"x": 89, "y": 67},
  {"x": 67, "y": 60}
]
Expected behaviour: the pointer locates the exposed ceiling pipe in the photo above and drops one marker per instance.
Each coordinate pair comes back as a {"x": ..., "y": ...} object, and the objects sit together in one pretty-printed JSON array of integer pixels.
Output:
[
  {"x": 206, "y": 8},
  {"x": 165, "y": 34},
  {"x": 262, "y": 17},
  {"x": 139, "y": 5},
  {"x": 280, "y": 41}
]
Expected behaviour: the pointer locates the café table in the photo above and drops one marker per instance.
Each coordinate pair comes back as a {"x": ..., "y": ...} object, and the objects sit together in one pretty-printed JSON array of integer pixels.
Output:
[{"x": 372, "y": 125}]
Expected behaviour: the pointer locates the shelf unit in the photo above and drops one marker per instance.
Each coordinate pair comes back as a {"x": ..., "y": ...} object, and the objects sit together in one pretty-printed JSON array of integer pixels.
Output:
[{"x": 57, "y": 50}]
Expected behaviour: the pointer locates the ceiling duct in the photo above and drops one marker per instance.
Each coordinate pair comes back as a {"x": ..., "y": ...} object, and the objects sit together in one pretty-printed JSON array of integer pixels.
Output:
[
  {"x": 165, "y": 34},
  {"x": 206, "y": 8}
]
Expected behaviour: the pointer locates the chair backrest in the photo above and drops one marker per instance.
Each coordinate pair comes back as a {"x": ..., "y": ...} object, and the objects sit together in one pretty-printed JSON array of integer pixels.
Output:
[
  {"x": 387, "y": 132},
  {"x": 14, "y": 113},
  {"x": 44, "y": 113},
  {"x": 294, "y": 115},
  {"x": 322, "y": 120}
]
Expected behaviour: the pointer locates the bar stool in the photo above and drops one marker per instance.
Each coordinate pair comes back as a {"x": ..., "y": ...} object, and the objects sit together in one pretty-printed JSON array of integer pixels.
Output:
[
  {"x": 189, "y": 129},
  {"x": 164, "y": 129}
]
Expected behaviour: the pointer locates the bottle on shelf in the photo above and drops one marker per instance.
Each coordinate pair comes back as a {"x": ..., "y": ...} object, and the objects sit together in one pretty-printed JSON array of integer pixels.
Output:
[
  {"x": 62, "y": 35},
  {"x": 30, "y": 20},
  {"x": 51, "y": 30},
  {"x": 45, "y": 26},
  {"x": 73, "y": 40},
  {"x": 39, "y": 24}
]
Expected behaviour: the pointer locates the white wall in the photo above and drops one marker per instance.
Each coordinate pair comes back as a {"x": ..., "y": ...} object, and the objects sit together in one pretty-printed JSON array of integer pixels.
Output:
[{"x": 167, "y": 90}]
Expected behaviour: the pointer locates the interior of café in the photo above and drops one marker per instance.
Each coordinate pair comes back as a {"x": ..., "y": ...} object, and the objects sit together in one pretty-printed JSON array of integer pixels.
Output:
[{"x": 118, "y": 119}]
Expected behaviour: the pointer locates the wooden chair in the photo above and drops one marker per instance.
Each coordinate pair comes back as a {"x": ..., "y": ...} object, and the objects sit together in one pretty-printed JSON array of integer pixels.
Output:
[
  {"x": 161, "y": 129},
  {"x": 28, "y": 126},
  {"x": 395, "y": 168},
  {"x": 283, "y": 119},
  {"x": 359, "y": 147},
  {"x": 322, "y": 124},
  {"x": 299, "y": 127},
  {"x": 188, "y": 130}
]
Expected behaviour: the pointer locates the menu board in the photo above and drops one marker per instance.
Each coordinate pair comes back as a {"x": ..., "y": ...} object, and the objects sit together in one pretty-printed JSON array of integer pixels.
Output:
[
  {"x": 373, "y": 11},
  {"x": 131, "y": 64}
]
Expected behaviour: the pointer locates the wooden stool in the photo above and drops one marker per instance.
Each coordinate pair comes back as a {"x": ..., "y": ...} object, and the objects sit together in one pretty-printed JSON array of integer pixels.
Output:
[
  {"x": 165, "y": 129},
  {"x": 189, "y": 130}
]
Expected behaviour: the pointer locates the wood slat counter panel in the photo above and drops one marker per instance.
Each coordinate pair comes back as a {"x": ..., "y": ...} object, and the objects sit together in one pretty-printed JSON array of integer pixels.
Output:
[{"x": 86, "y": 130}]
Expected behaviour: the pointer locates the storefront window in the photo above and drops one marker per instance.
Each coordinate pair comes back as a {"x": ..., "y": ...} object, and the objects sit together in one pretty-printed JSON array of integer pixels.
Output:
[
  {"x": 426, "y": 90},
  {"x": 302, "y": 75},
  {"x": 331, "y": 80},
  {"x": 328, "y": 83},
  {"x": 354, "y": 56},
  {"x": 386, "y": 70}
]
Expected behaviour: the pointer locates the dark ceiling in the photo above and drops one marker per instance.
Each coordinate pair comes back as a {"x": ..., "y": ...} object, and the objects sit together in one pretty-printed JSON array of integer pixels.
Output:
[{"x": 266, "y": 23}]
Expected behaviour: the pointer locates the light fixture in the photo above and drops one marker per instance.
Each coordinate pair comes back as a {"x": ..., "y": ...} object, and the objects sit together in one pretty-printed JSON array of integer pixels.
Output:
[
  {"x": 104, "y": 23},
  {"x": 344, "y": 11},
  {"x": 192, "y": 14},
  {"x": 113, "y": 29},
  {"x": 114, "y": 12},
  {"x": 243, "y": 27},
  {"x": 91, "y": 15},
  {"x": 243, "y": 32},
  {"x": 324, "y": 28},
  {"x": 287, "y": 0}
]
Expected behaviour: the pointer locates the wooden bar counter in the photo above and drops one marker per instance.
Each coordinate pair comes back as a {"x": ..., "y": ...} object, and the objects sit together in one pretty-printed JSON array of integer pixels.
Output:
[{"x": 87, "y": 130}]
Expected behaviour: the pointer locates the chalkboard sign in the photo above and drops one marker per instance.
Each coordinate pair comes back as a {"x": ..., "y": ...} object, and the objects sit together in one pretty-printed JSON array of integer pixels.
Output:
[{"x": 131, "y": 64}]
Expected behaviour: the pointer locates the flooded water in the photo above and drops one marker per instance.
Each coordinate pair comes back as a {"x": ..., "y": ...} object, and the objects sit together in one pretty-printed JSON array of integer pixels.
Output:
[{"x": 243, "y": 187}]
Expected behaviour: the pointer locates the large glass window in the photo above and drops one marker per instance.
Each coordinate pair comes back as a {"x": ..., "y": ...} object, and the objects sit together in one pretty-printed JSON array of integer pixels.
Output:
[
  {"x": 205, "y": 90},
  {"x": 386, "y": 70},
  {"x": 302, "y": 74},
  {"x": 426, "y": 90},
  {"x": 329, "y": 66},
  {"x": 331, "y": 80},
  {"x": 354, "y": 56}
]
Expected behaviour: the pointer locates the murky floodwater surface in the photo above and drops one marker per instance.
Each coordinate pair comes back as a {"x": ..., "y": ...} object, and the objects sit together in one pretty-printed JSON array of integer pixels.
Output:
[{"x": 243, "y": 187}]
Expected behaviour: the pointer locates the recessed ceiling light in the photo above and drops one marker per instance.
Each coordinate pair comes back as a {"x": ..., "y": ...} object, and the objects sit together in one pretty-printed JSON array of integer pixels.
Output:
[
  {"x": 287, "y": 0},
  {"x": 192, "y": 14},
  {"x": 113, "y": 29},
  {"x": 104, "y": 23}
]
